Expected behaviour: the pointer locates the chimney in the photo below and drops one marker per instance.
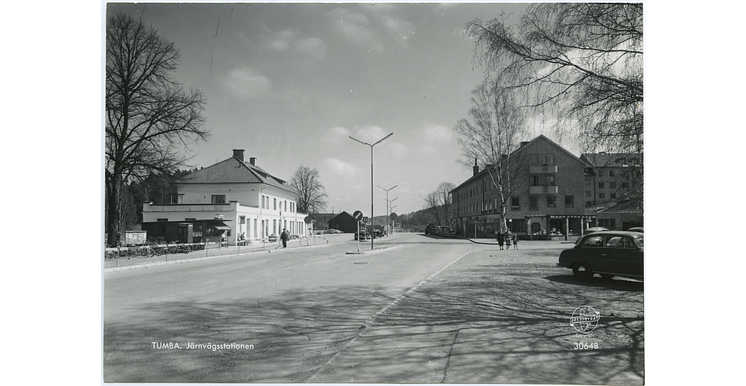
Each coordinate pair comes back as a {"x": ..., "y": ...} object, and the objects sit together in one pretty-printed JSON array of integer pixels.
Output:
[
  {"x": 238, "y": 153},
  {"x": 524, "y": 143},
  {"x": 476, "y": 167},
  {"x": 252, "y": 161}
]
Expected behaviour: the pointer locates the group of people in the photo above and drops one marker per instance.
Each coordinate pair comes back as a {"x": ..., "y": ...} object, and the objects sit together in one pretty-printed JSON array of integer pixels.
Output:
[{"x": 506, "y": 239}]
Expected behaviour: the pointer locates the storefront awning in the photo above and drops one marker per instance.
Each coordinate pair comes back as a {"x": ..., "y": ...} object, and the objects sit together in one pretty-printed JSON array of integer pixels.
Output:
[{"x": 221, "y": 227}]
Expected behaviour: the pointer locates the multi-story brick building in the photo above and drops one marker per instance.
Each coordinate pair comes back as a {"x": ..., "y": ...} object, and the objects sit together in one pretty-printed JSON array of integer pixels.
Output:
[
  {"x": 614, "y": 189},
  {"x": 546, "y": 197},
  {"x": 615, "y": 177}
]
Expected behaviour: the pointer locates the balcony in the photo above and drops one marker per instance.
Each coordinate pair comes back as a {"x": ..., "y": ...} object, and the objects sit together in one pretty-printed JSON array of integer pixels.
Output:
[
  {"x": 543, "y": 189},
  {"x": 536, "y": 169}
]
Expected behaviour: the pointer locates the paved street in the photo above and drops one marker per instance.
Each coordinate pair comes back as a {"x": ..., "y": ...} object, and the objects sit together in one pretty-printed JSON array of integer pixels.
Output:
[{"x": 431, "y": 310}]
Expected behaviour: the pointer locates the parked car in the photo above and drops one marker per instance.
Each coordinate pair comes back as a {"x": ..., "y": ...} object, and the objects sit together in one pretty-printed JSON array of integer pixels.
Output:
[
  {"x": 272, "y": 238},
  {"x": 363, "y": 235},
  {"x": 430, "y": 229},
  {"x": 595, "y": 229},
  {"x": 608, "y": 253}
]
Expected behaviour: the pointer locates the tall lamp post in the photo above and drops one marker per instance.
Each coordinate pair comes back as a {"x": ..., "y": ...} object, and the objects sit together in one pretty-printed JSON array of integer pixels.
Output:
[
  {"x": 371, "y": 178},
  {"x": 388, "y": 209}
]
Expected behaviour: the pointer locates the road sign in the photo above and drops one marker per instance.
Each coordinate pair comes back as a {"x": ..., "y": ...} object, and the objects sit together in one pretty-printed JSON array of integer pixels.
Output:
[
  {"x": 393, "y": 216},
  {"x": 358, "y": 215},
  {"x": 365, "y": 220},
  {"x": 308, "y": 220}
]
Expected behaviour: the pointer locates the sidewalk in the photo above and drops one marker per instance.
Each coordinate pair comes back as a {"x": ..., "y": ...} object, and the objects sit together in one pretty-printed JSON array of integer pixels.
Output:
[
  {"x": 499, "y": 318},
  {"x": 214, "y": 252}
]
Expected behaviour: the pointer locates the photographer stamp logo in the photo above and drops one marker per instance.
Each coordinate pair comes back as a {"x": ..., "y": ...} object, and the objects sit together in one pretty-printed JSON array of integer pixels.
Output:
[{"x": 585, "y": 319}]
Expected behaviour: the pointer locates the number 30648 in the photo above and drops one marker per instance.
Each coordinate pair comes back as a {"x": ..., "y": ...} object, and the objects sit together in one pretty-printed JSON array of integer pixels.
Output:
[{"x": 586, "y": 346}]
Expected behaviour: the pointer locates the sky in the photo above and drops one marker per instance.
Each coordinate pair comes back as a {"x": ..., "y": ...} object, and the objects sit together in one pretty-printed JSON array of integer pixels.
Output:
[{"x": 290, "y": 83}]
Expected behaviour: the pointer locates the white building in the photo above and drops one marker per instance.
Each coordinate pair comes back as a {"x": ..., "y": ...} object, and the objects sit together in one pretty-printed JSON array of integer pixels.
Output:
[{"x": 232, "y": 199}]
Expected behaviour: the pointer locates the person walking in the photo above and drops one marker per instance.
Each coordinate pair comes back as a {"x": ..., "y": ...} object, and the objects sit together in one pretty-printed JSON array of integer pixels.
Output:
[
  {"x": 284, "y": 238},
  {"x": 500, "y": 240},
  {"x": 515, "y": 241},
  {"x": 507, "y": 240}
]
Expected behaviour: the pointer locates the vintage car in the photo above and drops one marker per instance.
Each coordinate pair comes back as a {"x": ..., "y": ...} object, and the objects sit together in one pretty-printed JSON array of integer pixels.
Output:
[{"x": 608, "y": 253}]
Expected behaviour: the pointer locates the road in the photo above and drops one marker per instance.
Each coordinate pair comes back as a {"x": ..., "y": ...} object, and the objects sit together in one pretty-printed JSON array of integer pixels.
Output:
[{"x": 432, "y": 310}]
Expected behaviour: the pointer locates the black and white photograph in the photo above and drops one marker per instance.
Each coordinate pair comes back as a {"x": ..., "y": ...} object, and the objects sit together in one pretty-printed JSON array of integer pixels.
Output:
[{"x": 373, "y": 192}]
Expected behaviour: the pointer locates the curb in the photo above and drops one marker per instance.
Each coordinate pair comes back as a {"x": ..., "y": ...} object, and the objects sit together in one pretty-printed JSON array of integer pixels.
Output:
[{"x": 373, "y": 251}]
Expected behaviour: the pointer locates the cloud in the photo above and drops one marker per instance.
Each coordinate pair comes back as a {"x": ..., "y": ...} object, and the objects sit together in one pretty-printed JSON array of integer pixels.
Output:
[
  {"x": 356, "y": 28},
  {"x": 437, "y": 135},
  {"x": 370, "y": 134},
  {"x": 280, "y": 41},
  {"x": 247, "y": 82},
  {"x": 312, "y": 47},
  {"x": 340, "y": 168}
]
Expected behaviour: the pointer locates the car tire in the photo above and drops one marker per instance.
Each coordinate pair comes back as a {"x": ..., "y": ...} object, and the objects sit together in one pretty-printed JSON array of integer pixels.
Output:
[
  {"x": 582, "y": 271},
  {"x": 607, "y": 276}
]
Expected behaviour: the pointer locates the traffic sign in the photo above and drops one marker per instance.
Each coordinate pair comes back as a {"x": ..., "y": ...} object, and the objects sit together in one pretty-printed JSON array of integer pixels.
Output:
[
  {"x": 358, "y": 215},
  {"x": 393, "y": 216},
  {"x": 308, "y": 220},
  {"x": 365, "y": 220}
]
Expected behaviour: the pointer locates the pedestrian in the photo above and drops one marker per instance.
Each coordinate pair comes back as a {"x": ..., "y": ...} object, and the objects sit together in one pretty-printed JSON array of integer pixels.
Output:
[
  {"x": 284, "y": 237},
  {"x": 515, "y": 241},
  {"x": 507, "y": 240},
  {"x": 500, "y": 240}
]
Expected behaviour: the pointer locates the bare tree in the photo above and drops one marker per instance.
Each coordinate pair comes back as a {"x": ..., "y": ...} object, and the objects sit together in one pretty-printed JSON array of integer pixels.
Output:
[
  {"x": 438, "y": 202},
  {"x": 149, "y": 117},
  {"x": 311, "y": 193},
  {"x": 582, "y": 62},
  {"x": 489, "y": 136}
]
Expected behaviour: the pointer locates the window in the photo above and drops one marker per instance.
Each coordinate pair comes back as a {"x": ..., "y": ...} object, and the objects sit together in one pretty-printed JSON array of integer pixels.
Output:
[
  {"x": 594, "y": 242},
  {"x": 550, "y": 180},
  {"x": 515, "y": 203},
  {"x": 620, "y": 242},
  {"x": 162, "y": 220},
  {"x": 611, "y": 173},
  {"x": 588, "y": 181},
  {"x": 625, "y": 185},
  {"x": 602, "y": 196},
  {"x": 242, "y": 220},
  {"x": 190, "y": 219},
  {"x": 600, "y": 185},
  {"x": 569, "y": 201},
  {"x": 177, "y": 199},
  {"x": 533, "y": 203},
  {"x": 274, "y": 202},
  {"x": 548, "y": 159},
  {"x": 607, "y": 223},
  {"x": 612, "y": 196},
  {"x": 588, "y": 193},
  {"x": 534, "y": 180},
  {"x": 551, "y": 201},
  {"x": 600, "y": 173},
  {"x": 612, "y": 185},
  {"x": 218, "y": 198}
]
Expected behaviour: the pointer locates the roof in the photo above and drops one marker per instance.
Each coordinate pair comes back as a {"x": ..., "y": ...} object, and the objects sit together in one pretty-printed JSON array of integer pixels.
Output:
[
  {"x": 612, "y": 159},
  {"x": 518, "y": 151},
  {"x": 233, "y": 170}
]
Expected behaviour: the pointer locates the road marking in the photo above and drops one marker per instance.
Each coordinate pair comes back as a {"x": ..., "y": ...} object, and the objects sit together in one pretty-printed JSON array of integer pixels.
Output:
[{"x": 365, "y": 324}]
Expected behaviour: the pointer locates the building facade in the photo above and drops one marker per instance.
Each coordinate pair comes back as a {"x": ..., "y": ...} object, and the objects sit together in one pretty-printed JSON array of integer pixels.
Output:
[
  {"x": 615, "y": 177},
  {"x": 232, "y": 200},
  {"x": 614, "y": 189},
  {"x": 344, "y": 222},
  {"x": 545, "y": 198}
]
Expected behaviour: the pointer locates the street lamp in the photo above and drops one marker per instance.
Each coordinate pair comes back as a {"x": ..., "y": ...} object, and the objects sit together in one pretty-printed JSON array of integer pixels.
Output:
[
  {"x": 371, "y": 178},
  {"x": 388, "y": 209}
]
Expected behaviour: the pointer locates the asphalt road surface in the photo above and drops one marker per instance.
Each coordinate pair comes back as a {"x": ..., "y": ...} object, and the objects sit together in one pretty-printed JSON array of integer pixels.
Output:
[{"x": 430, "y": 310}]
